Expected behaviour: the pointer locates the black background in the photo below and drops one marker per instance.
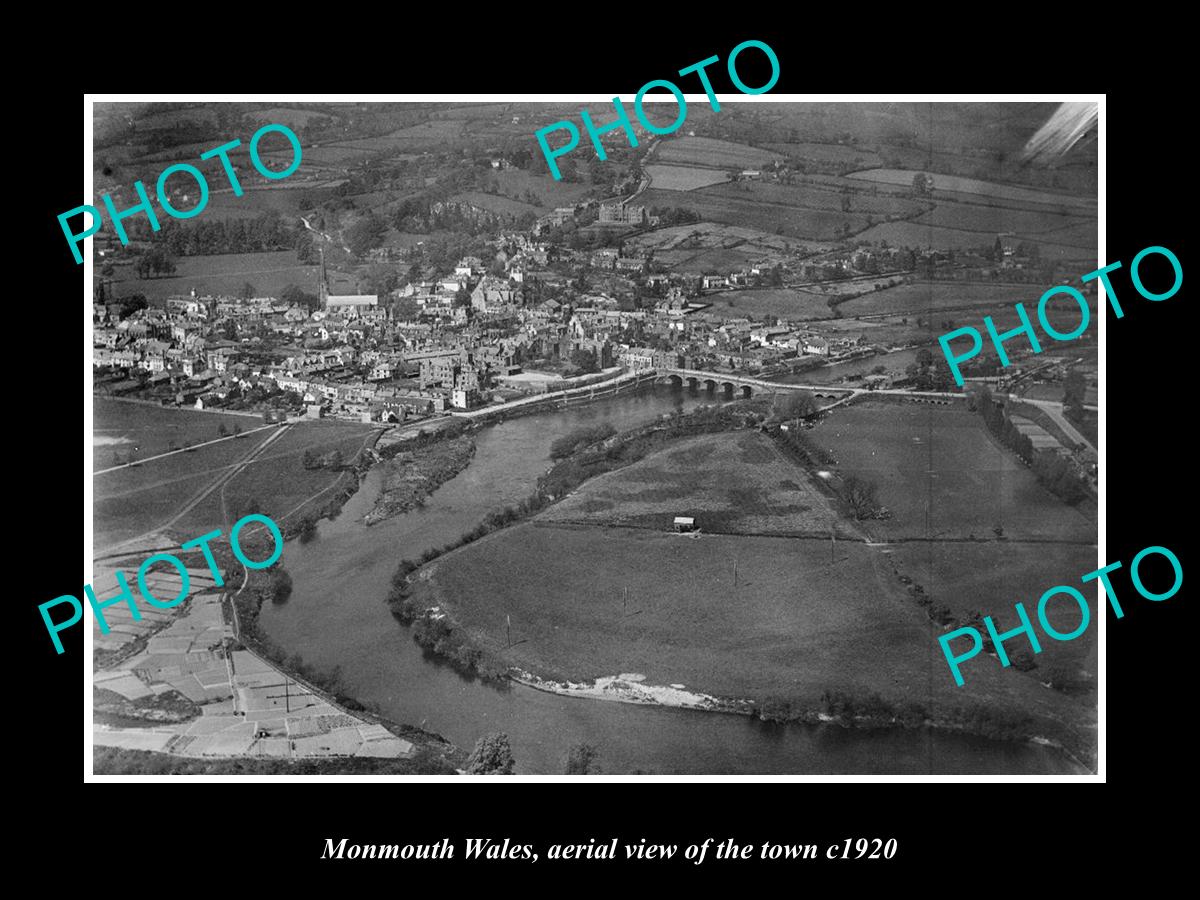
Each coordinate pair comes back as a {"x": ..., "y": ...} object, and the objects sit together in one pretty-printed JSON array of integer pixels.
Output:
[{"x": 980, "y": 831}]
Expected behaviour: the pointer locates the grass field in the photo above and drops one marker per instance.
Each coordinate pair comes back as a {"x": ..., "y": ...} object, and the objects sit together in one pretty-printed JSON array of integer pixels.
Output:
[
  {"x": 995, "y": 220},
  {"x": 915, "y": 298},
  {"x": 223, "y": 273},
  {"x": 118, "y": 427},
  {"x": 138, "y": 499},
  {"x": 941, "y": 474},
  {"x": 814, "y": 224},
  {"x": 734, "y": 482},
  {"x": 277, "y": 479},
  {"x": 132, "y": 501},
  {"x": 683, "y": 178},
  {"x": 807, "y": 196},
  {"x": 793, "y": 305},
  {"x": 794, "y": 626},
  {"x": 990, "y": 578},
  {"x": 550, "y": 193},
  {"x": 828, "y": 153},
  {"x": 702, "y": 151},
  {"x": 503, "y": 205},
  {"x": 918, "y": 235},
  {"x": 962, "y": 185}
]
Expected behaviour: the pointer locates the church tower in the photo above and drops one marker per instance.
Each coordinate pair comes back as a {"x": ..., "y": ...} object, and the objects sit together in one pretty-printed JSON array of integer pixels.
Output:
[{"x": 324, "y": 285}]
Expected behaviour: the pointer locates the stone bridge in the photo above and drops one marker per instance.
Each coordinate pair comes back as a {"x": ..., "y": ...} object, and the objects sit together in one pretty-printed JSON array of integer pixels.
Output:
[{"x": 731, "y": 384}]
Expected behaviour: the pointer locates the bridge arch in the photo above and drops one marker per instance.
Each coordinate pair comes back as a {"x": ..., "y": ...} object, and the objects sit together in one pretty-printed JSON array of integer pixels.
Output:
[
  {"x": 747, "y": 392},
  {"x": 693, "y": 383},
  {"x": 675, "y": 381},
  {"x": 710, "y": 385},
  {"x": 727, "y": 388}
]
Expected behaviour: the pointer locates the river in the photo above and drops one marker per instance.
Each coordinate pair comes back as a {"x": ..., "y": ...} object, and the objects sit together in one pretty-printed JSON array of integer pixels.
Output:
[{"x": 337, "y": 616}]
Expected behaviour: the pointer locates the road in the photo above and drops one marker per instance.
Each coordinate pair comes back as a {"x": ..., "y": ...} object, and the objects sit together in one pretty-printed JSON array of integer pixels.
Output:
[
  {"x": 138, "y": 462},
  {"x": 198, "y": 498}
]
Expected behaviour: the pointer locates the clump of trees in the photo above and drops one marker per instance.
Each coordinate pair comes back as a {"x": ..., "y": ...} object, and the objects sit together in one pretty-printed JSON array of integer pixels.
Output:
[
  {"x": 1074, "y": 390},
  {"x": 308, "y": 528},
  {"x": 365, "y": 233},
  {"x": 581, "y": 759},
  {"x": 585, "y": 361},
  {"x": 861, "y": 496},
  {"x": 205, "y": 236},
  {"x": 279, "y": 585},
  {"x": 579, "y": 438},
  {"x": 492, "y": 756},
  {"x": 332, "y": 460},
  {"x": 155, "y": 262},
  {"x": 795, "y": 405}
]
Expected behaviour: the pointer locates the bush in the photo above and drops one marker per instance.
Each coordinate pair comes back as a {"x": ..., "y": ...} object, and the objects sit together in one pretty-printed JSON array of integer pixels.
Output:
[
  {"x": 492, "y": 756},
  {"x": 580, "y": 437},
  {"x": 581, "y": 760}
]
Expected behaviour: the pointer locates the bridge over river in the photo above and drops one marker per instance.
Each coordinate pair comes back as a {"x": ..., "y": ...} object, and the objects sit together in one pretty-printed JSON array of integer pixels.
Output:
[{"x": 732, "y": 384}]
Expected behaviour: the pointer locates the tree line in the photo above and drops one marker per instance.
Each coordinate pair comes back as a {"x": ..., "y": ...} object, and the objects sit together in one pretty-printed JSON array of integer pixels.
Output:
[
  {"x": 1052, "y": 470},
  {"x": 204, "y": 237}
]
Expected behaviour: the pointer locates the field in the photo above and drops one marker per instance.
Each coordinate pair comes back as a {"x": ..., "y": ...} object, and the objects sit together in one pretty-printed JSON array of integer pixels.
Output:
[
  {"x": 792, "y": 305},
  {"x": 138, "y": 499},
  {"x": 711, "y": 247},
  {"x": 1086, "y": 205},
  {"x": 119, "y": 426},
  {"x": 941, "y": 474},
  {"x": 993, "y": 220},
  {"x": 683, "y": 178},
  {"x": 953, "y": 304},
  {"x": 989, "y": 578},
  {"x": 133, "y": 501},
  {"x": 549, "y": 193},
  {"x": 859, "y": 157},
  {"x": 733, "y": 483},
  {"x": 223, "y": 273},
  {"x": 794, "y": 626},
  {"x": 278, "y": 480},
  {"x": 808, "y": 196},
  {"x": 920, "y": 297},
  {"x": 502, "y": 205},
  {"x": 814, "y": 224},
  {"x": 917, "y": 235},
  {"x": 701, "y": 151}
]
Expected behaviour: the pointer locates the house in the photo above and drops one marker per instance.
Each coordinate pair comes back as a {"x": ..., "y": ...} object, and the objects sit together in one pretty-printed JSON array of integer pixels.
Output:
[{"x": 684, "y": 524}]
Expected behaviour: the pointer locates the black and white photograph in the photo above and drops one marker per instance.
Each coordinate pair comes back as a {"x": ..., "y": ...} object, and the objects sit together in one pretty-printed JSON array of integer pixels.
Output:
[{"x": 485, "y": 436}]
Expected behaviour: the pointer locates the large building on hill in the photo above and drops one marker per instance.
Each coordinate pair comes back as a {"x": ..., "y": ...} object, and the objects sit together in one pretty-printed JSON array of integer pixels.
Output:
[{"x": 617, "y": 213}]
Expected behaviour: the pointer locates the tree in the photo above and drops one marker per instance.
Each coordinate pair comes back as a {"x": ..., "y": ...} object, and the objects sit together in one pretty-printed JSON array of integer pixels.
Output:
[
  {"x": 924, "y": 358},
  {"x": 246, "y": 291},
  {"x": 492, "y": 756},
  {"x": 1074, "y": 391},
  {"x": 796, "y": 405},
  {"x": 581, "y": 760},
  {"x": 308, "y": 528},
  {"x": 584, "y": 360},
  {"x": 365, "y": 234},
  {"x": 310, "y": 459},
  {"x": 222, "y": 430},
  {"x": 405, "y": 309},
  {"x": 335, "y": 459},
  {"x": 860, "y": 495}
]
